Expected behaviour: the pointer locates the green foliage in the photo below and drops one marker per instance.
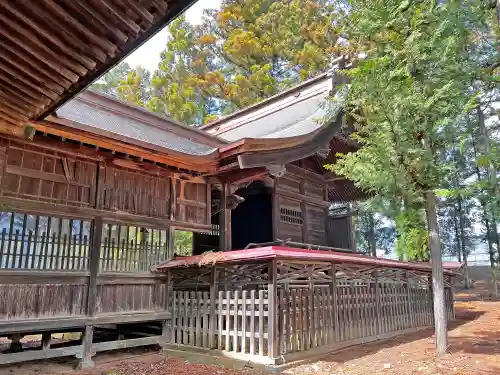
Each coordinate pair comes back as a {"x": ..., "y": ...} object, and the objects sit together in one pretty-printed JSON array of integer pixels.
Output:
[
  {"x": 370, "y": 222},
  {"x": 183, "y": 243},
  {"x": 407, "y": 95}
]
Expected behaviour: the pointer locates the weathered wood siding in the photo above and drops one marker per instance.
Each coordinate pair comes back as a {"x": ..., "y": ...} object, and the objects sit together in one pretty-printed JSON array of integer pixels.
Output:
[
  {"x": 47, "y": 175},
  {"x": 131, "y": 295},
  {"x": 339, "y": 232},
  {"x": 299, "y": 207},
  {"x": 136, "y": 193},
  {"x": 38, "y": 301}
]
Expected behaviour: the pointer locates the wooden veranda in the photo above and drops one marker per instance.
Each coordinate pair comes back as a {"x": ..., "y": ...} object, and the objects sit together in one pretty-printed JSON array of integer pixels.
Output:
[{"x": 275, "y": 304}]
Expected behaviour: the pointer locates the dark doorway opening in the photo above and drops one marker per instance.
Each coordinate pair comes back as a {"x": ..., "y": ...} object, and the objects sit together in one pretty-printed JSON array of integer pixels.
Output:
[{"x": 252, "y": 220}]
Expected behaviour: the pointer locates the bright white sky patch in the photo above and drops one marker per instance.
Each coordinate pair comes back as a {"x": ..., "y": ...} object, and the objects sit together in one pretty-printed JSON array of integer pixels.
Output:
[{"x": 148, "y": 55}]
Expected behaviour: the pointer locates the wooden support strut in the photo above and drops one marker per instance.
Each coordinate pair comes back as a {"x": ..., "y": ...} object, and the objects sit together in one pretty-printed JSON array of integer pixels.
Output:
[
  {"x": 214, "y": 276},
  {"x": 335, "y": 309},
  {"x": 378, "y": 321},
  {"x": 271, "y": 295},
  {"x": 225, "y": 220},
  {"x": 97, "y": 226}
]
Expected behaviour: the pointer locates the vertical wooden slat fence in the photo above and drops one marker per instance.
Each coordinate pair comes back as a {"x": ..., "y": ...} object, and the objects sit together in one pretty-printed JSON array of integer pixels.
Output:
[
  {"x": 242, "y": 320},
  {"x": 328, "y": 312}
]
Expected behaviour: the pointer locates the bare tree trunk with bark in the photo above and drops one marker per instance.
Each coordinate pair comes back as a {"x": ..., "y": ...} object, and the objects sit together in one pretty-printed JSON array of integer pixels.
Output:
[
  {"x": 462, "y": 249},
  {"x": 371, "y": 236},
  {"x": 440, "y": 321}
]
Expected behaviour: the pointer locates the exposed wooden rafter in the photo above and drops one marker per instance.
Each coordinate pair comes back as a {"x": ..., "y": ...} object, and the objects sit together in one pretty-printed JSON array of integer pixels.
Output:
[{"x": 51, "y": 50}]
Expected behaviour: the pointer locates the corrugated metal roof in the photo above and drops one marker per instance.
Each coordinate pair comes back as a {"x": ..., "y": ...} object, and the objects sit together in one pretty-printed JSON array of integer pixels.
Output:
[
  {"x": 293, "y": 113},
  {"x": 105, "y": 119},
  {"x": 288, "y": 253},
  {"x": 301, "y": 118}
]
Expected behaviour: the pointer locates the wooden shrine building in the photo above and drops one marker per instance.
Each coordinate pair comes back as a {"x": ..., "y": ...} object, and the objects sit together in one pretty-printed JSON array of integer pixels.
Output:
[
  {"x": 91, "y": 202},
  {"x": 92, "y": 191}
]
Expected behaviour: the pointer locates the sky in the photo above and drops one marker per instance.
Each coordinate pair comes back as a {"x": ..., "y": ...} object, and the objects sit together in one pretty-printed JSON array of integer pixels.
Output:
[{"x": 148, "y": 55}]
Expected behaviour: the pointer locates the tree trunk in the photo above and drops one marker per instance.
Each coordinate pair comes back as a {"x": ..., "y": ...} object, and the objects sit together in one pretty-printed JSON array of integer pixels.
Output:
[
  {"x": 457, "y": 234},
  {"x": 441, "y": 323},
  {"x": 372, "y": 241},
  {"x": 490, "y": 229},
  {"x": 462, "y": 249}
]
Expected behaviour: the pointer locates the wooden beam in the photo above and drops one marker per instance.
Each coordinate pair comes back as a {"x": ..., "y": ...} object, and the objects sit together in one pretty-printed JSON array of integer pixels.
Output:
[
  {"x": 123, "y": 20},
  {"x": 245, "y": 175},
  {"x": 102, "y": 21},
  {"x": 97, "y": 227},
  {"x": 12, "y": 52},
  {"x": 43, "y": 31},
  {"x": 272, "y": 283},
  {"x": 97, "y": 40},
  {"x": 16, "y": 87},
  {"x": 32, "y": 44},
  {"x": 147, "y": 17},
  {"x": 214, "y": 287},
  {"x": 199, "y": 164},
  {"x": 303, "y": 209},
  {"x": 276, "y": 210},
  {"x": 224, "y": 220}
]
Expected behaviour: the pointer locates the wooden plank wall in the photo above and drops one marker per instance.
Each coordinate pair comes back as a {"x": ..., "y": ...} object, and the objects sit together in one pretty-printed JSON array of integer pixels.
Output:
[
  {"x": 299, "y": 207},
  {"x": 51, "y": 198},
  {"x": 45, "y": 268},
  {"x": 38, "y": 176}
]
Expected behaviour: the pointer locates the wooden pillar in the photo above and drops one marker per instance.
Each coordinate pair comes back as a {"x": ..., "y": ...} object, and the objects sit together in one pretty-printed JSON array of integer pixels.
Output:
[
  {"x": 171, "y": 242},
  {"x": 97, "y": 226},
  {"x": 409, "y": 318},
  {"x": 46, "y": 338},
  {"x": 276, "y": 211},
  {"x": 303, "y": 209},
  {"x": 378, "y": 319},
  {"x": 335, "y": 308},
  {"x": 214, "y": 286},
  {"x": 165, "y": 326},
  {"x": 225, "y": 220},
  {"x": 352, "y": 229},
  {"x": 272, "y": 341}
]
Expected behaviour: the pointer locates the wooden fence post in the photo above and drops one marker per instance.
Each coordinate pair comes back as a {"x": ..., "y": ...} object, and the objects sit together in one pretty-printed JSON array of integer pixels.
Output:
[
  {"x": 271, "y": 321},
  {"x": 377, "y": 303},
  {"x": 224, "y": 220},
  {"x": 97, "y": 226},
  {"x": 408, "y": 301},
  {"x": 214, "y": 280},
  {"x": 165, "y": 329},
  {"x": 335, "y": 310}
]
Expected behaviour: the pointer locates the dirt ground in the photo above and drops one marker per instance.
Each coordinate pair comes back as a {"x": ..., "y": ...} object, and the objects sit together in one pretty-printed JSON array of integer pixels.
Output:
[{"x": 474, "y": 348}]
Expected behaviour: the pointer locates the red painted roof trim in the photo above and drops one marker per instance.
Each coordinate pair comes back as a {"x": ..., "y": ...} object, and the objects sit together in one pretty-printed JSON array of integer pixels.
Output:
[{"x": 288, "y": 253}]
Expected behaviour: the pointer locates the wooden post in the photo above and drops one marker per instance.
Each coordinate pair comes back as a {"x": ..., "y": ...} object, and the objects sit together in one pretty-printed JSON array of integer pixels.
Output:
[
  {"x": 224, "y": 220},
  {"x": 303, "y": 209},
  {"x": 377, "y": 303},
  {"x": 170, "y": 242},
  {"x": 333, "y": 287},
  {"x": 214, "y": 280},
  {"x": 46, "y": 338},
  {"x": 408, "y": 301},
  {"x": 275, "y": 211},
  {"x": 97, "y": 226},
  {"x": 271, "y": 296},
  {"x": 165, "y": 329}
]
